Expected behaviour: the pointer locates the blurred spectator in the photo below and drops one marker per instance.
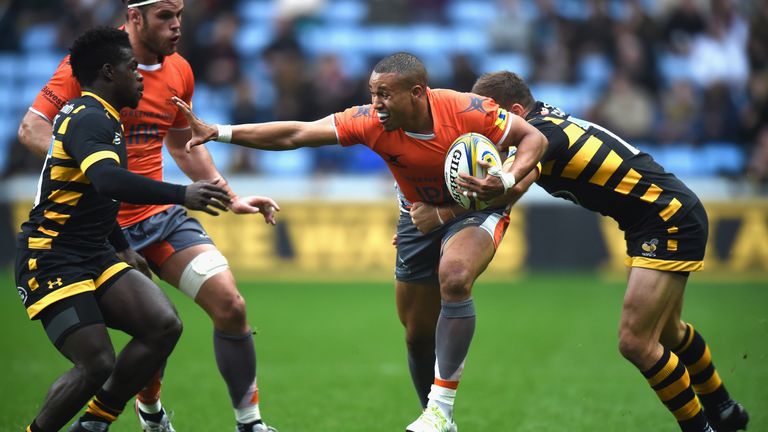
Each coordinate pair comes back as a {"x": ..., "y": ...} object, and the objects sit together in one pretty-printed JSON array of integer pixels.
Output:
[
  {"x": 757, "y": 44},
  {"x": 511, "y": 30},
  {"x": 285, "y": 42},
  {"x": 550, "y": 50},
  {"x": 388, "y": 12},
  {"x": 684, "y": 21},
  {"x": 332, "y": 89},
  {"x": 679, "y": 113},
  {"x": 626, "y": 108},
  {"x": 463, "y": 73},
  {"x": 719, "y": 54},
  {"x": 755, "y": 121},
  {"x": 216, "y": 60},
  {"x": 719, "y": 115},
  {"x": 244, "y": 111}
]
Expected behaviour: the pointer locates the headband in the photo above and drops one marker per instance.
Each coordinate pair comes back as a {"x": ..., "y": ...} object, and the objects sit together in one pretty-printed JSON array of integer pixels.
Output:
[{"x": 142, "y": 3}]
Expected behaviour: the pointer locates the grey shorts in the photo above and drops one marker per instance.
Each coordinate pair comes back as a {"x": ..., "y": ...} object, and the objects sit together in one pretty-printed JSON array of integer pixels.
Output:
[
  {"x": 165, "y": 233},
  {"x": 418, "y": 255}
]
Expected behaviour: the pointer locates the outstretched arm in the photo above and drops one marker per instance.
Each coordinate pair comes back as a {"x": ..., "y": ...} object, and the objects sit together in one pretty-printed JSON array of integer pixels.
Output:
[{"x": 282, "y": 135}]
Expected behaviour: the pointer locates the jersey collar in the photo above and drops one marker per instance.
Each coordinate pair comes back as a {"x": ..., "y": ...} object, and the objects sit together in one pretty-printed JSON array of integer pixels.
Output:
[{"x": 110, "y": 109}]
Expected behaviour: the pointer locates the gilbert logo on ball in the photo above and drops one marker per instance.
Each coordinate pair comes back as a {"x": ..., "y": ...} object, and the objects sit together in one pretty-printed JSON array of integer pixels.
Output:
[{"x": 462, "y": 157}]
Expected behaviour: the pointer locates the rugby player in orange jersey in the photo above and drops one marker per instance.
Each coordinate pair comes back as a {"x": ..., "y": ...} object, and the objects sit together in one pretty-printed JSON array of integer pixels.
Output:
[
  {"x": 411, "y": 127},
  {"x": 175, "y": 245}
]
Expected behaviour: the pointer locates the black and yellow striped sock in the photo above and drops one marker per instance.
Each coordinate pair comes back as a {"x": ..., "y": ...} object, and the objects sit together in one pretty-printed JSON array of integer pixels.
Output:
[
  {"x": 669, "y": 378},
  {"x": 694, "y": 353},
  {"x": 103, "y": 408}
]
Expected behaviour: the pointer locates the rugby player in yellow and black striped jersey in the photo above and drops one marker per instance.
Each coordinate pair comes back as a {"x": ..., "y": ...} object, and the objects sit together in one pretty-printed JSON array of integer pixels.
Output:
[
  {"x": 68, "y": 273},
  {"x": 666, "y": 230}
]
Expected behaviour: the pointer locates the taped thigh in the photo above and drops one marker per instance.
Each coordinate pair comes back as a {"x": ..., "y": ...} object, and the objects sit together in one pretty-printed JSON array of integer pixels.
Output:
[{"x": 200, "y": 269}]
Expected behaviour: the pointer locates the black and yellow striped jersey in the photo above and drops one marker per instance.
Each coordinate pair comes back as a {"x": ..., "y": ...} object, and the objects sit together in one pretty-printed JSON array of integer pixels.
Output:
[
  {"x": 596, "y": 169},
  {"x": 68, "y": 214}
]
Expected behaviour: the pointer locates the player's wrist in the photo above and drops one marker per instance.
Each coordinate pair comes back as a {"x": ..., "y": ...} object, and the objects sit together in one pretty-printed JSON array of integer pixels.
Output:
[
  {"x": 224, "y": 133},
  {"x": 507, "y": 178}
]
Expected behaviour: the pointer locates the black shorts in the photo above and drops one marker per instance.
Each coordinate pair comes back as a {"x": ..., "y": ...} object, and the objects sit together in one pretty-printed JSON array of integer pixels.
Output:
[
  {"x": 44, "y": 277},
  {"x": 165, "y": 233},
  {"x": 677, "y": 248},
  {"x": 418, "y": 255}
]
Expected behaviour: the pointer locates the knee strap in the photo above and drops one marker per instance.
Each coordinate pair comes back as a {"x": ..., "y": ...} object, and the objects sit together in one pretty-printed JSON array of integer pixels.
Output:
[{"x": 200, "y": 269}]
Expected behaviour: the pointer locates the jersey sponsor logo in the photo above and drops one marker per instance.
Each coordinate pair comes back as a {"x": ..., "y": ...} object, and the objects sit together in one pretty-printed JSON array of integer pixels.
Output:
[
  {"x": 501, "y": 120},
  {"x": 363, "y": 111},
  {"x": 649, "y": 247},
  {"x": 394, "y": 160},
  {"x": 22, "y": 293},
  {"x": 475, "y": 104},
  {"x": 52, "y": 97},
  {"x": 54, "y": 283}
]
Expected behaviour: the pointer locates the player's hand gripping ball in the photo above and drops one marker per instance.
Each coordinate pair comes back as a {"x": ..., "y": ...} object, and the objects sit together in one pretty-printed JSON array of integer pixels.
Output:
[{"x": 462, "y": 157}]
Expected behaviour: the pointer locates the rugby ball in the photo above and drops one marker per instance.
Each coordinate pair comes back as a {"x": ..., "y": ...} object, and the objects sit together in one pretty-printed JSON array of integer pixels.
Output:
[{"x": 462, "y": 157}]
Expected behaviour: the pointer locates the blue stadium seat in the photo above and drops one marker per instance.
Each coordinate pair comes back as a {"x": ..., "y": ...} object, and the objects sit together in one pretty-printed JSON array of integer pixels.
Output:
[
  {"x": 38, "y": 66},
  {"x": 344, "y": 12},
  {"x": 682, "y": 159},
  {"x": 674, "y": 67},
  {"x": 40, "y": 37},
  {"x": 511, "y": 61},
  {"x": 573, "y": 99},
  {"x": 341, "y": 39},
  {"x": 256, "y": 11},
  {"x": 9, "y": 66},
  {"x": 469, "y": 40},
  {"x": 252, "y": 37},
  {"x": 428, "y": 39},
  {"x": 724, "y": 157},
  {"x": 294, "y": 163},
  {"x": 594, "y": 70},
  {"x": 471, "y": 12}
]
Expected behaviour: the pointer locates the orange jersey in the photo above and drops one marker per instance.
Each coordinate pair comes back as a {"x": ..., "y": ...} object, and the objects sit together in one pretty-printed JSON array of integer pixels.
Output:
[
  {"x": 416, "y": 160},
  {"x": 145, "y": 127}
]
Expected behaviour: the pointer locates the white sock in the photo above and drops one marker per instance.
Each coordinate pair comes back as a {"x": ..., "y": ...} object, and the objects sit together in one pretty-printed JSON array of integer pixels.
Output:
[
  {"x": 152, "y": 408},
  {"x": 443, "y": 398},
  {"x": 247, "y": 414}
]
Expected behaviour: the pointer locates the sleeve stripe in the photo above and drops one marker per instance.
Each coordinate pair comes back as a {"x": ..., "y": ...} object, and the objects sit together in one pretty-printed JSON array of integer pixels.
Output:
[
  {"x": 335, "y": 129},
  {"x": 95, "y": 157},
  {"x": 40, "y": 114}
]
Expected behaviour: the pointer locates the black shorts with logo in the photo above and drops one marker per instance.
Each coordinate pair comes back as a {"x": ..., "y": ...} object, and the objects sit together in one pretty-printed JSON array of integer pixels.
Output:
[{"x": 678, "y": 248}]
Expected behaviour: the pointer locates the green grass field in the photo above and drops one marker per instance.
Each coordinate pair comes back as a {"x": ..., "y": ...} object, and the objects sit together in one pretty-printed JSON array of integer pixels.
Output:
[{"x": 331, "y": 358}]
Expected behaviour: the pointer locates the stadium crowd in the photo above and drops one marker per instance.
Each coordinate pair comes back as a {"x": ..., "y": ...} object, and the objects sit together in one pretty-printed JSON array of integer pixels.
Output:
[{"x": 686, "y": 80}]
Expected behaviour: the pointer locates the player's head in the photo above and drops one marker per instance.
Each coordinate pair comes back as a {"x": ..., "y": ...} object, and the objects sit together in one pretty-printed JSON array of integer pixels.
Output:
[
  {"x": 507, "y": 89},
  {"x": 102, "y": 60},
  {"x": 156, "y": 24},
  {"x": 398, "y": 87}
]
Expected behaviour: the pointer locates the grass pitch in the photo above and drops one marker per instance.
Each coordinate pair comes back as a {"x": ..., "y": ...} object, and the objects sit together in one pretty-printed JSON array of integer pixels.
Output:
[{"x": 331, "y": 358}]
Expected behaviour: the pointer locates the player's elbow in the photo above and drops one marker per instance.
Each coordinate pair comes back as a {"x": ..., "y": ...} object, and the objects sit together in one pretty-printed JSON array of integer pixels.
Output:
[{"x": 31, "y": 131}]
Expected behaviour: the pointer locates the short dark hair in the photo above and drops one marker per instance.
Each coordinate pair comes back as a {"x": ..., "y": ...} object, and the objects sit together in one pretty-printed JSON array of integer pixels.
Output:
[
  {"x": 506, "y": 88},
  {"x": 405, "y": 64},
  {"x": 95, "y": 48}
]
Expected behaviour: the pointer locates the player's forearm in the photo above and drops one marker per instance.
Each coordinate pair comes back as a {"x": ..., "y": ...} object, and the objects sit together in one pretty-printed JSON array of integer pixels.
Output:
[
  {"x": 122, "y": 185},
  {"x": 35, "y": 133},
  {"x": 282, "y": 135},
  {"x": 529, "y": 151}
]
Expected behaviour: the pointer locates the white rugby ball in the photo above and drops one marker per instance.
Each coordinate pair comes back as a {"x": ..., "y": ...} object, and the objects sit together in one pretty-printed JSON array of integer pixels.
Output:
[{"x": 462, "y": 157}]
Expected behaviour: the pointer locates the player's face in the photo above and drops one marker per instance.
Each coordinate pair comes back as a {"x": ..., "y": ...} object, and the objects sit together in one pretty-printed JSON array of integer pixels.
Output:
[
  {"x": 161, "y": 30},
  {"x": 128, "y": 81},
  {"x": 393, "y": 101}
]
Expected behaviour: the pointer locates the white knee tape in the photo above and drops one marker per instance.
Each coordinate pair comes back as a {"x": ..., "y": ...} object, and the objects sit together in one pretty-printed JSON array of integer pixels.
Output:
[{"x": 200, "y": 269}]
